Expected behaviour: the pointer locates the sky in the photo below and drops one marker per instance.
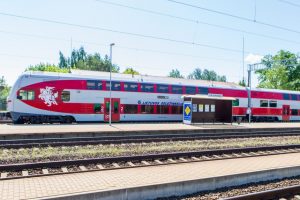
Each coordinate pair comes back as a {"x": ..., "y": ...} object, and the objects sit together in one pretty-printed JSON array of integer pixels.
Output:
[{"x": 153, "y": 37}]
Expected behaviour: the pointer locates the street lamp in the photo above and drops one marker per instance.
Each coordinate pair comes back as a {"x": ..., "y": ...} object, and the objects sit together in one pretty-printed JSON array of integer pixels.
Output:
[{"x": 110, "y": 66}]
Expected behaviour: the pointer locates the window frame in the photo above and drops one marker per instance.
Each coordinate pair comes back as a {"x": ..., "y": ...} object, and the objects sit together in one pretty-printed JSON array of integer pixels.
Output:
[
  {"x": 265, "y": 102},
  {"x": 271, "y": 102}
]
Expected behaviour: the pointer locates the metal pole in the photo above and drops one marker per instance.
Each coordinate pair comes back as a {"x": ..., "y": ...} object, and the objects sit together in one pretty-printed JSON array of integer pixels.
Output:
[
  {"x": 244, "y": 60},
  {"x": 249, "y": 93},
  {"x": 110, "y": 59}
]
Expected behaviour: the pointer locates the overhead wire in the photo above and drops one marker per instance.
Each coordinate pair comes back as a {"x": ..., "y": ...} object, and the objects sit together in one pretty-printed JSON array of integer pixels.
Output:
[
  {"x": 235, "y": 16},
  {"x": 290, "y": 3},
  {"x": 119, "y": 46},
  {"x": 122, "y": 32},
  {"x": 197, "y": 21}
]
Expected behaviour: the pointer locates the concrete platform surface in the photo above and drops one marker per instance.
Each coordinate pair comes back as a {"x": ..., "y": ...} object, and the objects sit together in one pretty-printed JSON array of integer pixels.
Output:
[
  {"x": 101, "y": 181},
  {"x": 123, "y": 127}
]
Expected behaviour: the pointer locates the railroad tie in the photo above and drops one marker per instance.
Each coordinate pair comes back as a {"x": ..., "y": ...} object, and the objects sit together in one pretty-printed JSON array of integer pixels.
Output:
[
  {"x": 171, "y": 160},
  {"x": 82, "y": 168},
  {"x": 282, "y": 199},
  {"x": 25, "y": 173},
  {"x": 45, "y": 171},
  {"x": 217, "y": 157},
  {"x": 297, "y": 197},
  {"x": 3, "y": 175},
  {"x": 131, "y": 164},
  {"x": 145, "y": 162},
  {"x": 182, "y": 159},
  {"x": 116, "y": 165},
  {"x": 158, "y": 162},
  {"x": 64, "y": 169},
  {"x": 227, "y": 156},
  {"x": 245, "y": 154},
  {"x": 194, "y": 158},
  {"x": 205, "y": 157},
  {"x": 100, "y": 166},
  {"x": 237, "y": 155}
]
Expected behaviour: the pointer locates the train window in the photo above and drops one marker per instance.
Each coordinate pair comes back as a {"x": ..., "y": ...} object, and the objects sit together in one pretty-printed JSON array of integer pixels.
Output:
[
  {"x": 163, "y": 88},
  {"x": 273, "y": 104},
  {"x": 294, "y": 97},
  {"x": 116, "y": 86},
  {"x": 116, "y": 107},
  {"x": 190, "y": 90},
  {"x": 30, "y": 95},
  {"x": 177, "y": 89},
  {"x": 286, "y": 97},
  {"x": 176, "y": 109},
  {"x": 131, "y": 87},
  {"x": 91, "y": 85},
  {"x": 263, "y": 103},
  {"x": 65, "y": 96},
  {"x": 99, "y": 85},
  {"x": 130, "y": 109},
  {"x": 22, "y": 95},
  {"x": 236, "y": 102},
  {"x": 203, "y": 90},
  {"x": 97, "y": 107},
  {"x": 147, "y": 109},
  {"x": 206, "y": 108},
  {"x": 147, "y": 88},
  {"x": 163, "y": 109},
  {"x": 294, "y": 112},
  {"x": 107, "y": 106}
]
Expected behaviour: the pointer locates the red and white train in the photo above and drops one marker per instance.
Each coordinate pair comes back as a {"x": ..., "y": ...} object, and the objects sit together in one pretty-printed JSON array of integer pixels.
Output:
[{"x": 82, "y": 96}]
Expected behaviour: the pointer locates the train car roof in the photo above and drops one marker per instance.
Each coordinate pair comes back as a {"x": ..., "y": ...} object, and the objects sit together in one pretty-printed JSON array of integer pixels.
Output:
[{"x": 83, "y": 74}]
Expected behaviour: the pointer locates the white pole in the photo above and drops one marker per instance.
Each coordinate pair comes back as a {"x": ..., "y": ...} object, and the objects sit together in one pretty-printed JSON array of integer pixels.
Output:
[
  {"x": 244, "y": 60},
  {"x": 110, "y": 59}
]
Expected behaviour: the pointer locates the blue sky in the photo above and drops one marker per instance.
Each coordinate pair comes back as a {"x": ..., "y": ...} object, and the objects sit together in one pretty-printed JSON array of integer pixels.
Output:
[{"x": 24, "y": 42}]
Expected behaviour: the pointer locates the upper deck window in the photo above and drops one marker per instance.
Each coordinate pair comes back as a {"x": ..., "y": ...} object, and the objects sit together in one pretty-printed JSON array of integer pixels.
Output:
[
  {"x": 294, "y": 97},
  {"x": 94, "y": 85},
  {"x": 286, "y": 97},
  {"x": 177, "y": 89},
  {"x": 203, "y": 90},
  {"x": 131, "y": 87},
  {"x": 190, "y": 90},
  {"x": 163, "y": 88},
  {"x": 116, "y": 86},
  {"x": 147, "y": 87}
]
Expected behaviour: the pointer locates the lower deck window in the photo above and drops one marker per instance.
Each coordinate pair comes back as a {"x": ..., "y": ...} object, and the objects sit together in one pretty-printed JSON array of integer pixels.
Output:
[
  {"x": 65, "y": 96},
  {"x": 176, "y": 109},
  {"x": 130, "y": 109},
  {"x": 163, "y": 109},
  {"x": 294, "y": 112},
  {"x": 263, "y": 103},
  {"x": 147, "y": 109},
  {"x": 273, "y": 104}
]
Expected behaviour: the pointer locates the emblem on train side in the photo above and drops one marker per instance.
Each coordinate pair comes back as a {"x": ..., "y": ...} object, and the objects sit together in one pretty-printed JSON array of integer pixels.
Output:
[{"x": 48, "y": 96}]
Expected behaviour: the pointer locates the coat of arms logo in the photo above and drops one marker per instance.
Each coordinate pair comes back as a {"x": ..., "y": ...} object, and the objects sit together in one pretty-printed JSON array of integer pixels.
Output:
[{"x": 48, "y": 96}]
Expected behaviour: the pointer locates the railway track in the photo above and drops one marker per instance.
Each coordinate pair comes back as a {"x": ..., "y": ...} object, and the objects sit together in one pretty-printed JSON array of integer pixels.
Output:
[
  {"x": 286, "y": 193},
  {"x": 71, "y": 141},
  {"x": 23, "y": 170}
]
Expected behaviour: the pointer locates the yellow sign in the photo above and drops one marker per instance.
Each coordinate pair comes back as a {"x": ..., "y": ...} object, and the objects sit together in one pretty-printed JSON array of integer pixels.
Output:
[{"x": 187, "y": 110}]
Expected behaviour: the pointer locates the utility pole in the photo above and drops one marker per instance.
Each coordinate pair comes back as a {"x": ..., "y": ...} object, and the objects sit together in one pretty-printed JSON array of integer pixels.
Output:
[
  {"x": 244, "y": 59},
  {"x": 110, "y": 66},
  {"x": 71, "y": 55}
]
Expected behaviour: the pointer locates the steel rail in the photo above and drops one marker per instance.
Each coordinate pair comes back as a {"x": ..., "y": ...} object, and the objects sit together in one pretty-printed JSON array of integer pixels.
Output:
[
  {"x": 120, "y": 159},
  {"x": 286, "y": 192},
  {"x": 71, "y": 141}
]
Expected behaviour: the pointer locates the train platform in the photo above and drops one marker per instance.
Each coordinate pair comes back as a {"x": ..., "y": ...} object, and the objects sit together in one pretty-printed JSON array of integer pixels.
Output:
[
  {"x": 10, "y": 129},
  {"x": 153, "y": 182}
]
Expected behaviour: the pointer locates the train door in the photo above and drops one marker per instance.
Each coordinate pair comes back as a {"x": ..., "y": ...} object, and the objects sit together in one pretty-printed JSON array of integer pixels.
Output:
[
  {"x": 115, "y": 109},
  {"x": 285, "y": 113}
]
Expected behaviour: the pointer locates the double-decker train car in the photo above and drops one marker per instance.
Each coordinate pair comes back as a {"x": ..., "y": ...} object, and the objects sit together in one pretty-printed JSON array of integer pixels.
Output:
[{"x": 83, "y": 96}]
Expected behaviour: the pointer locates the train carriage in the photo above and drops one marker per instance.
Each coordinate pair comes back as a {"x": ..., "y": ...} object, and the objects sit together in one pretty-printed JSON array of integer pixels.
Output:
[{"x": 83, "y": 96}]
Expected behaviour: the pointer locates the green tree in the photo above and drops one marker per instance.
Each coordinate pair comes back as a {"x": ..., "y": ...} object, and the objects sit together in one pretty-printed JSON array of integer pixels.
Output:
[
  {"x": 131, "y": 71},
  {"x": 47, "y": 68},
  {"x": 282, "y": 71},
  {"x": 206, "y": 74},
  {"x": 242, "y": 83},
  {"x": 4, "y": 91},
  {"x": 175, "y": 73},
  {"x": 80, "y": 59}
]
